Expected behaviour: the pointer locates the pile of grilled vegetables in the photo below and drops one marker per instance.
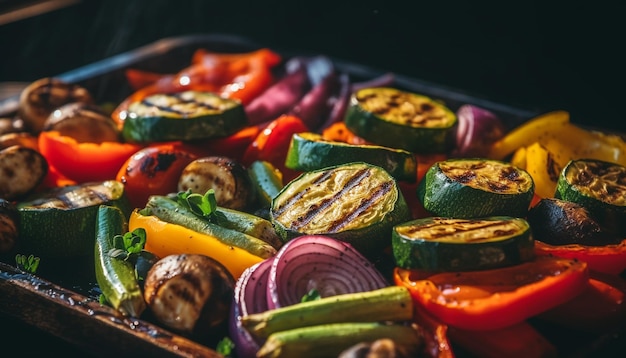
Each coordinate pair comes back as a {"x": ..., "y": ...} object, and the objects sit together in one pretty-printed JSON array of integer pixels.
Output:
[{"x": 293, "y": 210}]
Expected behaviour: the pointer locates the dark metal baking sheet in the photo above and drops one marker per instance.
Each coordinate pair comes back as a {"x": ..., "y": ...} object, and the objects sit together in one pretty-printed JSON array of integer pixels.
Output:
[{"x": 61, "y": 302}]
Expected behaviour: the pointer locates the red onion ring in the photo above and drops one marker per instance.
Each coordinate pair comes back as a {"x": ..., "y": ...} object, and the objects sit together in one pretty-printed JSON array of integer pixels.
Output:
[
  {"x": 249, "y": 297},
  {"x": 319, "y": 262},
  {"x": 477, "y": 129}
]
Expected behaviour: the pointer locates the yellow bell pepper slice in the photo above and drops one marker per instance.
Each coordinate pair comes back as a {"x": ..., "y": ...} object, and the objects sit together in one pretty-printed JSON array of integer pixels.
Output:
[
  {"x": 528, "y": 133},
  {"x": 540, "y": 164},
  {"x": 163, "y": 239}
]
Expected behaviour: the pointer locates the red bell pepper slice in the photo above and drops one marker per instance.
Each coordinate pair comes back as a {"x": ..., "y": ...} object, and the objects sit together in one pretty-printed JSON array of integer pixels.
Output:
[
  {"x": 497, "y": 298},
  {"x": 609, "y": 259},
  {"x": 272, "y": 143},
  {"x": 241, "y": 76},
  {"x": 598, "y": 309},
  {"x": 84, "y": 162},
  {"x": 520, "y": 340}
]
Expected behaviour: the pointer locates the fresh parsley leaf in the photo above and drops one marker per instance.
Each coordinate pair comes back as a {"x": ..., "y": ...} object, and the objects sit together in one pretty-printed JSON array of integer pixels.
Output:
[
  {"x": 203, "y": 206},
  {"x": 128, "y": 245},
  {"x": 29, "y": 264}
]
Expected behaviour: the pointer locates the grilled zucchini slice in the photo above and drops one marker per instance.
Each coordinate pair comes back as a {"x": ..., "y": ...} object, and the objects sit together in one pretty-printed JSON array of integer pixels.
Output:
[
  {"x": 475, "y": 187},
  {"x": 446, "y": 244},
  {"x": 309, "y": 151},
  {"x": 60, "y": 222},
  {"x": 600, "y": 187},
  {"x": 188, "y": 115},
  {"x": 399, "y": 119},
  {"x": 356, "y": 202}
]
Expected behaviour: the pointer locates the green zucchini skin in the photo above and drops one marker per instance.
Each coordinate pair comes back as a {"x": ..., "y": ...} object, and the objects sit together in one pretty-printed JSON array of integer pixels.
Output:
[
  {"x": 425, "y": 127},
  {"x": 115, "y": 277},
  {"x": 189, "y": 115},
  {"x": 598, "y": 186},
  {"x": 356, "y": 202},
  {"x": 71, "y": 211},
  {"x": 508, "y": 192},
  {"x": 441, "y": 244},
  {"x": 309, "y": 151}
]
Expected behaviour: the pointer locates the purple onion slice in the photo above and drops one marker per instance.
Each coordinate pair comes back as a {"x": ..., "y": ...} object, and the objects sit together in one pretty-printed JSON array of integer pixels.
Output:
[
  {"x": 330, "y": 266},
  {"x": 249, "y": 297}
]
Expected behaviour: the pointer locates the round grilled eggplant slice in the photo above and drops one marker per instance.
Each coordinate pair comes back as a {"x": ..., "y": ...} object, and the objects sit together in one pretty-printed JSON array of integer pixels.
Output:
[
  {"x": 228, "y": 178},
  {"x": 559, "y": 222},
  {"x": 475, "y": 187},
  {"x": 84, "y": 122},
  {"x": 39, "y": 99},
  {"x": 23, "y": 169},
  {"x": 356, "y": 202},
  {"x": 600, "y": 187}
]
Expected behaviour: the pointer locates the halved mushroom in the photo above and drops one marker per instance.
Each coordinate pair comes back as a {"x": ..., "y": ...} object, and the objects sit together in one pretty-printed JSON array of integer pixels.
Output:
[
  {"x": 84, "y": 122},
  {"x": 190, "y": 293},
  {"x": 43, "y": 96},
  {"x": 22, "y": 170}
]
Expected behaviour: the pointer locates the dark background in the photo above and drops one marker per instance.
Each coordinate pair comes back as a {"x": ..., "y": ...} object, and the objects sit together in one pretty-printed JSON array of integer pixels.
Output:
[
  {"x": 535, "y": 54},
  {"x": 532, "y": 54}
]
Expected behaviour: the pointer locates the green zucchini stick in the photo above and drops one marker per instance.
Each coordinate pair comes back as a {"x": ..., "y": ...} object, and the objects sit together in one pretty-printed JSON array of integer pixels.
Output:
[
  {"x": 115, "y": 277},
  {"x": 391, "y": 303},
  {"x": 169, "y": 211},
  {"x": 329, "y": 340}
]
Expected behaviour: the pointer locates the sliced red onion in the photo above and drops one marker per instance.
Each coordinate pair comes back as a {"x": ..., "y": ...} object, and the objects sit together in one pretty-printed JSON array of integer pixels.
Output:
[
  {"x": 279, "y": 97},
  {"x": 477, "y": 129},
  {"x": 339, "y": 103},
  {"x": 314, "y": 107},
  {"x": 330, "y": 266},
  {"x": 249, "y": 297}
]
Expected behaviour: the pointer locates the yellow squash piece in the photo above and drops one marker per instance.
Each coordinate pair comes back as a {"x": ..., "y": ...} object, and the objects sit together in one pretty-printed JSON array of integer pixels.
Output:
[{"x": 165, "y": 239}]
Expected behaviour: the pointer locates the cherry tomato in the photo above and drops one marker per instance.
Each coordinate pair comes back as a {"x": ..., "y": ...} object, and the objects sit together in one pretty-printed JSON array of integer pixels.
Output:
[{"x": 153, "y": 170}]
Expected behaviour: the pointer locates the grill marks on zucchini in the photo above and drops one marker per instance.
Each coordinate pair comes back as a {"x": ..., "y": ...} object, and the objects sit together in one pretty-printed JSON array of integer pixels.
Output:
[
  {"x": 326, "y": 204},
  {"x": 187, "y": 115},
  {"x": 486, "y": 175},
  {"x": 403, "y": 108},
  {"x": 475, "y": 187},
  {"x": 72, "y": 197},
  {"x": 465, "y": 230},
  {"x": 184, "y": 105},
  {"x": 403, "y": 120},
  {"x": 445, "y": 244},
  {"x": 598, "y": 186},
  {"x": 605, "y": 181},
  {"x": 355, "y": 202}
]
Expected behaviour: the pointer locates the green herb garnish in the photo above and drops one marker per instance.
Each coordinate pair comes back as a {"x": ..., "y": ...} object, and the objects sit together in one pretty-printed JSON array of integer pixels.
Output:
[
  {"x": 203, "y": 206},
  {"x": 128, "y": 245},
  {"x": 225, "y": 347},
  {"x": 312, "y": 295},
  {"x": 28, "y": 264}
]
